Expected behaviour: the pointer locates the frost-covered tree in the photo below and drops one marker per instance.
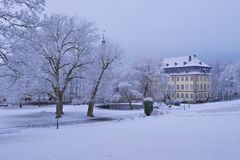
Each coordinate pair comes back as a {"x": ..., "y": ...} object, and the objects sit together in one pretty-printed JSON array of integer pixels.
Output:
[
  {"x": 128, "y": 91},
  {"x": 160, "y": 87},
  {"x": 153, "y": 81},
  {"x": 22, "y": 77},
  {"x": 106, "y": 87},
  {"x": 230, "y": 80},
  {"x": 216, "y": 83},
  {"x": 126, "y": 85},
  {"x": 15, "y": 17},
  {"x": 63, "y": 45},
  {"x": 17, "y": 14},
  {"x": 105, "y": 58}
]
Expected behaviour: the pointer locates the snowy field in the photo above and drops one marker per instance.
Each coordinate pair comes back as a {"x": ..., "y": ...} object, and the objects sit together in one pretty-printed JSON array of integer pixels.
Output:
[{"x": 202, "y": 132}]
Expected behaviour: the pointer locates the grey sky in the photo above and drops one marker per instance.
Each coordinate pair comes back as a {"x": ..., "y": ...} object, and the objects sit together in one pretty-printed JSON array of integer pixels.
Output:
[{"x": 164, "y": 28}]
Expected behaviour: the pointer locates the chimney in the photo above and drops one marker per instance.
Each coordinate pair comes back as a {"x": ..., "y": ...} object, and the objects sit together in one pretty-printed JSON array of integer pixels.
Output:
[{"x": 190, "y": 58}]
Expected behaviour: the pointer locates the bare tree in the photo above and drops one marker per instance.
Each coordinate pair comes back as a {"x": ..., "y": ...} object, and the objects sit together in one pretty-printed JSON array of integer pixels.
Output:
[
  {"x": 64, "y": 44},
  {"x": 105, "y": 58}
]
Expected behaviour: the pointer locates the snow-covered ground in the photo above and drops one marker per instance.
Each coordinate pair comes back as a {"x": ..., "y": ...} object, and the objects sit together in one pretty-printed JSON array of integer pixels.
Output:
[
  {"x": 16, "y": 119},
  {"x": 202, "y": 132}
]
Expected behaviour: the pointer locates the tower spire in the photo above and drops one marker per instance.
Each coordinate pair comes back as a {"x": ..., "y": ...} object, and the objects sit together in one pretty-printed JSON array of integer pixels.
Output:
[{"x": 103, "y": 39}]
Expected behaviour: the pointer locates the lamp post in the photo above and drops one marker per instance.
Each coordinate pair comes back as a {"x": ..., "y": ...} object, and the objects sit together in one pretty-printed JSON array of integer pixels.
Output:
[
  {"x": 184, "y": 106},
  {"x": 57, "y": 123}
]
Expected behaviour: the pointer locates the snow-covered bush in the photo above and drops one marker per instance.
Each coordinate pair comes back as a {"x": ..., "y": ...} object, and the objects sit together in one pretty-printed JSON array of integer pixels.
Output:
[{"x": 148, "y": 106}]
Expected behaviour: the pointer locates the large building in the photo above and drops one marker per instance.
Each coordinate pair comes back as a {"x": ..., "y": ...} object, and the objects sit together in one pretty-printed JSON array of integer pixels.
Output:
[{"x": 189, "y": 78}]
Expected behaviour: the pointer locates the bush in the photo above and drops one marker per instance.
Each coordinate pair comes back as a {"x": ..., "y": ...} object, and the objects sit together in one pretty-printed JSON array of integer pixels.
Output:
[{"x": 148, "y": 106}]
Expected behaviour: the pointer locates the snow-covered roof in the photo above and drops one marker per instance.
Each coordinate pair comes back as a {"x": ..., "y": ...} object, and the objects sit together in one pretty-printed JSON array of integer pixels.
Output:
[
  {"x": 189, "y": 73},
  {"x": 184, "y": 61}
]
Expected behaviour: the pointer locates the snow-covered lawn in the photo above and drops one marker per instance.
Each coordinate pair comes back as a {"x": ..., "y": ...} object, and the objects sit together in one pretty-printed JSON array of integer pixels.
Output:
[
  {"x": 203, "y": 132},
  {"x": 20, "y": 118}
]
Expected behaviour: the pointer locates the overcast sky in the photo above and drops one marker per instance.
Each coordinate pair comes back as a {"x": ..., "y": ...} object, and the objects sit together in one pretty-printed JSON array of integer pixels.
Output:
[{"x": 164, "y": 28}]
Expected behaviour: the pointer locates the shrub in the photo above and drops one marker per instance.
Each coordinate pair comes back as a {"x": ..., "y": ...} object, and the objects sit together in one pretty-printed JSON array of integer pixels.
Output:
[{"x": 148, "y": 106}]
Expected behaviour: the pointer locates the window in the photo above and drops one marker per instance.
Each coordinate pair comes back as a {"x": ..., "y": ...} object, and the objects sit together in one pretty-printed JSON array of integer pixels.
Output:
[
  {"x": 191, "y": 87},
  {"x": 172, "y": 95},
  {"x": 201, "y": 78},
  {"x": 186, "y": 78},
  {"x": 186, "y": 96},
  {"x": 191, "y": 78},
  {"x": 173, "y": 78},
  {"x": 197, "y": 86},
  {"x": 182, "y": 87},
  {"x": 205, "y": 87},
  {"x": 191, "y": 96},
  {"x": 178, "y": 87},
  {"x": 182, "y": 95},
  {"x": 201, "y": 86},
  {"x": 177, "y": 78},
  {"x": 182, "y": 78},
  {"x": 205, "y": 95},
  {"x": 186, "y": 87},
  {"x": 199, "y": 95},
  {"x": 205, "y": 78}
]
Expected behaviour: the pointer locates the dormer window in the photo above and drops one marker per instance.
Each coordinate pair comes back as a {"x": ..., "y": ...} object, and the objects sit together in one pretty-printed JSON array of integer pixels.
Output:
[
  {"x": 204, "y": 70},
  {"x": 200, "y": 63},
  {"x": 176, "y": 63},
  {"x": 167, "y": 64},
  {"x": 184, "y": 63}
]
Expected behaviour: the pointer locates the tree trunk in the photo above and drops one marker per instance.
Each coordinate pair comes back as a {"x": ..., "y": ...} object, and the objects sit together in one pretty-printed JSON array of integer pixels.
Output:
[
  {"x": 59, "y": 105},
  {"x": 130, "y": 104},
  {"x": 145, "y": 91},
  {"x": 94, "y": 93},
  {"x": 39, "y": 104},
  {"x": 90, "y": 109},
  {"x": 130, "y": 101}
]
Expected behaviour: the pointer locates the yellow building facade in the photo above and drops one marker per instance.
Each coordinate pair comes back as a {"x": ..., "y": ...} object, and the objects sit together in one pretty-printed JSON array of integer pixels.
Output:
[{"x": 189, "y": 79}]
